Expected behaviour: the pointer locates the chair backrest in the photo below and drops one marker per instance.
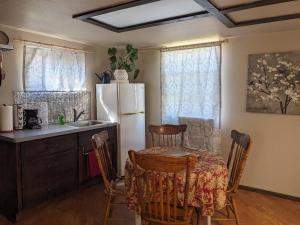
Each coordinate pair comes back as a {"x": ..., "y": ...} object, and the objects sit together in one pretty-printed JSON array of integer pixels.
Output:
[
  {"x": 158, "y": 186},
  {"x": 167, "y": 134},
  {"x": 237, "y": 158},
  {"x": 100, "y": 146}
]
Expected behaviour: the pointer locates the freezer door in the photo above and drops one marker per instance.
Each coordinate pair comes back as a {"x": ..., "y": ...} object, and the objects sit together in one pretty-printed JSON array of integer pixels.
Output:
[
  {"x": 128, "y": 98},
  {"x": 132, "y": 136},
  {"x": 107, "y": 102}
]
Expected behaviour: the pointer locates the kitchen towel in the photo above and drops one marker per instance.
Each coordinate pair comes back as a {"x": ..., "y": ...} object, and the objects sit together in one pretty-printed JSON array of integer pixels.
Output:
[
  {"x": 6, "y": 118},
  {"x": 93, "y": 166}
]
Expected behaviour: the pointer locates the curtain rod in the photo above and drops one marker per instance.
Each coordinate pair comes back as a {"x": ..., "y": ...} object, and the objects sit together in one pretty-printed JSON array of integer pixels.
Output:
[
  {"x": 53, "y": 45},
  {"x": 200, "y": 45}
]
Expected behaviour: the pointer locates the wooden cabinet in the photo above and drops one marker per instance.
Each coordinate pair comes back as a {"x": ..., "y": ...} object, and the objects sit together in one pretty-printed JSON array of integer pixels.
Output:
[
  {"x": 49, "y": 168},
  {"x": 85, "y": 147},
  {"x": 34, "y": 171}
]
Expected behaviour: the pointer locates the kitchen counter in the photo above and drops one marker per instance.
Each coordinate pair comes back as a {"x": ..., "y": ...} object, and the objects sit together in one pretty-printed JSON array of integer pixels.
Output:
[{"x": 47, "y": 131}]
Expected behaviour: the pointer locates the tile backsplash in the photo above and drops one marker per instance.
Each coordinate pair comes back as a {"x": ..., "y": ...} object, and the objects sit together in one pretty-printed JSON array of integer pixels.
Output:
[{"x": 51, "y": 104}]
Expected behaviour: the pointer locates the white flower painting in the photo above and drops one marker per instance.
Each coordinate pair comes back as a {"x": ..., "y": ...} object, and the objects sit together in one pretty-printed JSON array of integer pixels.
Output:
[{"x": 274, "y": 83}]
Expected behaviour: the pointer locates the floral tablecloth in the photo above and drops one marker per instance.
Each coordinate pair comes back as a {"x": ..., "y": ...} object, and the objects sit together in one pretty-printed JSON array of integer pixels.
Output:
[{"x": 208, "y": 181}]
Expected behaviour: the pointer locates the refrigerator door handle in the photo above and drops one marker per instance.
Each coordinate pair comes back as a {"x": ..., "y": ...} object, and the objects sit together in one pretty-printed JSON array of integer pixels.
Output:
[
  {"x": 134, "y": 113},
  {"x": 128, "y": 114}
]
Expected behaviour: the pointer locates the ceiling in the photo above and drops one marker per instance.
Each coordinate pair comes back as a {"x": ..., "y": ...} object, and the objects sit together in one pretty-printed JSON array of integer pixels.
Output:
[{"x": 54, "y": 17}]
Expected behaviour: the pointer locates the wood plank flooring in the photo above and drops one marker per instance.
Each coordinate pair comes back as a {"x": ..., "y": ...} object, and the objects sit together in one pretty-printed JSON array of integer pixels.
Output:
[{"x": 86, "y": 207}]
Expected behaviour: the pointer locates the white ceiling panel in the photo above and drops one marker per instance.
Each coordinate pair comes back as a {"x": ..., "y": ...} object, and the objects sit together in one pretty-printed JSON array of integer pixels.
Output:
[
  {"x": 149, "y": 12},
  {"x": 266, "y": 11}
]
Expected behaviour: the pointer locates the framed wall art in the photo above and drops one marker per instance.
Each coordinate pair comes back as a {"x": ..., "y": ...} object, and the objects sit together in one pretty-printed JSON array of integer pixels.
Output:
[{"x": 274, "y": 83}]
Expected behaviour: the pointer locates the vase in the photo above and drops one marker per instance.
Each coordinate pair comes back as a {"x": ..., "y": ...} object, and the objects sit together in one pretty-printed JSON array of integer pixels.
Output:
[{"x": 121, "y": 75}]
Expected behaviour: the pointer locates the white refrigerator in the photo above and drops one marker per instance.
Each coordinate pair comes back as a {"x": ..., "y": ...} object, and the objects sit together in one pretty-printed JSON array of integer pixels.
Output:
[{"x": 125, "y": 104}]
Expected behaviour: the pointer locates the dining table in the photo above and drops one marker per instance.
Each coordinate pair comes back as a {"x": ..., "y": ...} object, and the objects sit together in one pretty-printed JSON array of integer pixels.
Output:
[{"x": 208, "y": 182}]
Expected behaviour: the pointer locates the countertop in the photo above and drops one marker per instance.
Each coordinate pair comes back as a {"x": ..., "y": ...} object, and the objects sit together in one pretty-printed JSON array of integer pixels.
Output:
[{"x": 47, "y": 131}]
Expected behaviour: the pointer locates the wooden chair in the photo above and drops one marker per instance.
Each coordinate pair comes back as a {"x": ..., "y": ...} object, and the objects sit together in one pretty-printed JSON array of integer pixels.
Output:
[
  {"x": 167, "y": 134},
  {"x": 158, "y": 201},
  {"x": 110, "y": 179},
  {"x": 236, "y": 163}
]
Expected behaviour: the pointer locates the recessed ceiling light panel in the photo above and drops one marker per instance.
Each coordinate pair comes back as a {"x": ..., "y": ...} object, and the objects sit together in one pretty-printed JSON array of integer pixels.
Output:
[
  {"x": 149, "y": 12},
  {"x": 143, "y": 13}
]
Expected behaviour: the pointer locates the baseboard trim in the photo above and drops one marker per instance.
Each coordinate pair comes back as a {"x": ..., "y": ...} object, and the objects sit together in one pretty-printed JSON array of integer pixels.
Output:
[{"x": 262, "y": 191}]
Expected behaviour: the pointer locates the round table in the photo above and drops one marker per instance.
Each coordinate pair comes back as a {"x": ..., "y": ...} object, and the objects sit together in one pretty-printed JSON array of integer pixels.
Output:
[{"x": 208, "y": 183}]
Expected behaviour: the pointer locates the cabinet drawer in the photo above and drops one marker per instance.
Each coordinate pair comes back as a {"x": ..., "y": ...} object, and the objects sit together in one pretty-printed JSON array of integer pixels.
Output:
[
  {"x": 50, "y": 169},
  {"x": 35, "y": 150}
]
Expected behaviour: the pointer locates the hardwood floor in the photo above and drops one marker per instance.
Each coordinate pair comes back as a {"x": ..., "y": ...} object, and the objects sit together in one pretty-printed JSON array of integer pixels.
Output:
[{"x": 86, "y": 208}]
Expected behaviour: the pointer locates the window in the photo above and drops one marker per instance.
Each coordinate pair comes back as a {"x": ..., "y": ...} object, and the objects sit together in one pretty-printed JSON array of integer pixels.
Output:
[
  {"x": 190, "y": 82},
  {"x": 53, "y": 69}
]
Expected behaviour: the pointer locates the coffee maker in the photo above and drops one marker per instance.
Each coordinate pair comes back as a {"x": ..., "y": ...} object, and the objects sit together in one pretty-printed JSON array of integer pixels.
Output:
[{"x": 31, "y": 119}]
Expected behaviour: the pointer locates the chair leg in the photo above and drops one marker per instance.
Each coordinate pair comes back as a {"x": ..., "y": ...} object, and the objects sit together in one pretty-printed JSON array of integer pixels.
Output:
[
  {"x": 235, "y": 211},
  {"x": 107, "y": 210},
  {"x": 144, "y": 222},
  {"x": 228, "y": 211},
  {"x": 198, "y": 211}
]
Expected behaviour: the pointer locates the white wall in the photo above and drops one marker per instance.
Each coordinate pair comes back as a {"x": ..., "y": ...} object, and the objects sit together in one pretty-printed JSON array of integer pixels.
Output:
[
  {"x": 13, "y": 63},
  {"x": 275, "y": 154},
  {"x": 149, "y": 65},
  {"x": 274, "y": 158}
]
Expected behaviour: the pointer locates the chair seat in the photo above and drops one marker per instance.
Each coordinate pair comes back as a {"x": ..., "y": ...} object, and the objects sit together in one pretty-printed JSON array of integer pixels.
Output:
[{"x": 179, "y": 212}]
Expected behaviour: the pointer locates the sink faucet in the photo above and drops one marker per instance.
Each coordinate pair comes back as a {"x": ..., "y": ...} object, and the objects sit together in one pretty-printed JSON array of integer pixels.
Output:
[{"x": 77, "y": 115}]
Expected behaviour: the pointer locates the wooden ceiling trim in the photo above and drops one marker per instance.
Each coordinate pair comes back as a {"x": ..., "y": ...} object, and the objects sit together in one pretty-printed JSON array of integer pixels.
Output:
[
  {"x": 100, "y": 24},
  {"x": 112, "y": 8},
  {"x": 212, "y": 9},
  {"x": 268, "y": 20},
  {"x": 252, "y": 5}
]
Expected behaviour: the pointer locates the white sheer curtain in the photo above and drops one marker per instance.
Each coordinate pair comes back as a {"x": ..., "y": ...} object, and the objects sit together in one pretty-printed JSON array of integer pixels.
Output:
[
  {"x": 53, "y": 69},
  {"x": 190, "y": 82}
]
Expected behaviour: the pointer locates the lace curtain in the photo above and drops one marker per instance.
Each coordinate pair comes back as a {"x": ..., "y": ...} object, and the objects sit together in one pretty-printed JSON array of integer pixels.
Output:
[
  {"x": 190, "y": 82},
  {"x": 53, "y": 69}
]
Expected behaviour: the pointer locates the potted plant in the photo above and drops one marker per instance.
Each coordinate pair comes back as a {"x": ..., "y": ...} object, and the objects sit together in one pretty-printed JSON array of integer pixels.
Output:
[{"x": 121, "y": 66}]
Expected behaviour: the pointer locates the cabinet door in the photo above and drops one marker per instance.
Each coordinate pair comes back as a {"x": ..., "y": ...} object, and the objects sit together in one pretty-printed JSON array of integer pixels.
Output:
[
  {"x": 49, "y": 177},
  {"x": 85, "y": 147}
]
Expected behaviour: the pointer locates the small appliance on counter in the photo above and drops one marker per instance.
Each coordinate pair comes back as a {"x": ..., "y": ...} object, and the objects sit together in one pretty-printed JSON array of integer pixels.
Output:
[
  {"x": 18, "y": 116},
  {"x": 6, "y": 118},
  {"x": 31, "y": 119}
]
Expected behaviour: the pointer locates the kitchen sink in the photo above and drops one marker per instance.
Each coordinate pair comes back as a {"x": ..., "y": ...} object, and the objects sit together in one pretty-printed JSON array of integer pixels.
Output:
[{"x": 86, "y": 123}]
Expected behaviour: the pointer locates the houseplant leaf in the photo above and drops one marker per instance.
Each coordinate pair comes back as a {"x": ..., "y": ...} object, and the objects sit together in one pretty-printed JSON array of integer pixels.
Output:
[
  {"x": 112, "y": 51},
  {"x": 136, "y": 73},
  {"x": 129, "y": 48}
]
